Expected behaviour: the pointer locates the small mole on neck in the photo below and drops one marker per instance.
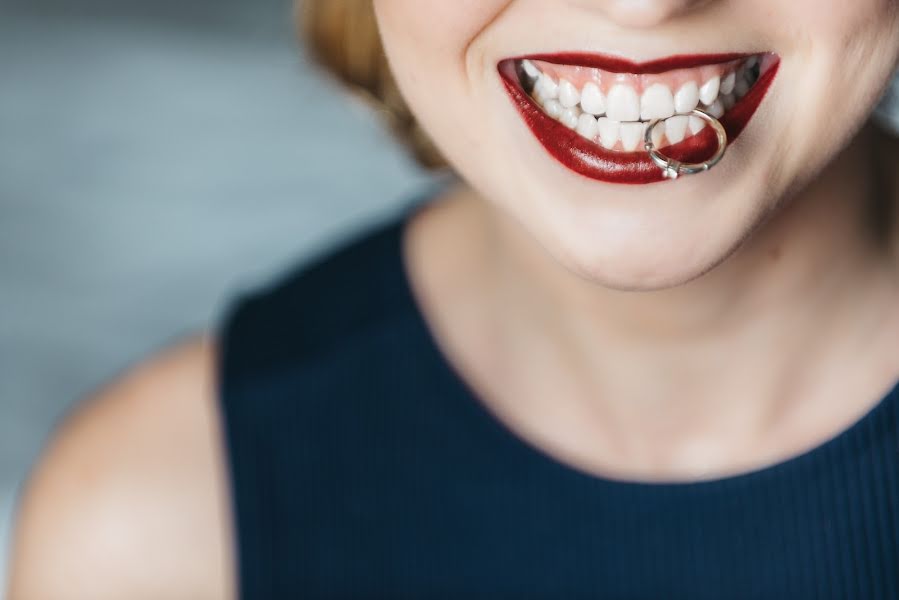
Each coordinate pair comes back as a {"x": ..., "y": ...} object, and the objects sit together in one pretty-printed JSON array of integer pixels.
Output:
[{"x": 774, "y": 253}]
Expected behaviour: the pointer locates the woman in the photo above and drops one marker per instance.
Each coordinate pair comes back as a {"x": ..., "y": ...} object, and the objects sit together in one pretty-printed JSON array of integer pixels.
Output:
[{"x": 578, "y": 372}]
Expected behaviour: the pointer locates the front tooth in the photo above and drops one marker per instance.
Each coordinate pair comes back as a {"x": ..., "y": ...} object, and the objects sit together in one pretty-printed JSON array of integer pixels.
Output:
[
  {"x": 546, "y": 87},
  {"x": 727, "y": 84},
  {"x": 592, "y": 100},
  {"x": 587, "y": 126},
  {"x": 687, "y": 97},
  {"x": 530, "y": 69},
  {"x": 569, "y": 117},
  {"x": 709, "y": 90},
  {"x": 608, "y": 131},
  {"x": 631, "y": 135},
  {"x": 568, "y": 94},
  {"x": 676, "y": 128},
  {"x": 656, "y": 103},
  {"x": 695, "y": 124},
  {"x": 553, "y": 108},
  {"x": 623, "y": 104},
  {"x": 716, "y": 109}
]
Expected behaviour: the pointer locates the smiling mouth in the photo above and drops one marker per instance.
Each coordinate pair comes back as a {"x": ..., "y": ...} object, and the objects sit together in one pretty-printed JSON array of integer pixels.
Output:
[{"x": 591, "y": 111}]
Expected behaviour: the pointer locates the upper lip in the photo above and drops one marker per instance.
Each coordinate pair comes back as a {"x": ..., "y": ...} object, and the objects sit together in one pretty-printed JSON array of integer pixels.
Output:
[{"x": 618, "y": 64}]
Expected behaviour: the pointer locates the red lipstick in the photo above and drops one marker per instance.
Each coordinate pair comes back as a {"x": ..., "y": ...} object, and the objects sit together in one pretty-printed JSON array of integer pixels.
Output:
[{"x": 591, "y": 159}]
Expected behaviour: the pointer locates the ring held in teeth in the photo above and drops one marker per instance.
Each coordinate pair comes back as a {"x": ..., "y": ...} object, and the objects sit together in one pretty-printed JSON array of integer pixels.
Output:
[
  {"x": 614, "y": 110},
  {"x": 671, "y": 168}
]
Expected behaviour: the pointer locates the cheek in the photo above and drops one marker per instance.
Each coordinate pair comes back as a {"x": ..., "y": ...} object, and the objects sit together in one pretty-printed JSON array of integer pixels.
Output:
[
  {"x": 831, "y": 18},
  {"x": 861, "y": 34},
  {"x": 836, "y": 21},
  {"x": 837, "y": 57},
  {"x": 429, "y": 46},
  {"x": 430, "y": 32}
]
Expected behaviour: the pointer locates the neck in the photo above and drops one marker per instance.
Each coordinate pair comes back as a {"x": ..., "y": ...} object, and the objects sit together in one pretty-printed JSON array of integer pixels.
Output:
[{"x": 741, "y": 342}]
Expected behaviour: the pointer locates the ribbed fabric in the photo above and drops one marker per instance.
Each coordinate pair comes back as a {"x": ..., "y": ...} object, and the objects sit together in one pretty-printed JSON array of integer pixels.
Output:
[{"x": 362, "y": 466}]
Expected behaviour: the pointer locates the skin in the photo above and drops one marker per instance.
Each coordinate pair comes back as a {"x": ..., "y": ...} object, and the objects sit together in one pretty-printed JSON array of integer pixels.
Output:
[
  {"x": 757, "y": 295},
  {"x": 738, "y": 290}
]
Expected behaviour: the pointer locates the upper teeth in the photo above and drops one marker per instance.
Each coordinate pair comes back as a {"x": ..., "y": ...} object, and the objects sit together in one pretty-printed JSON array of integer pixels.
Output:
[
  {"x": 686, "y": 98},
  {"x": 709, "y": 90},
  {"x": 546, "y": 88},
  {"x": 727, "y": 84},
  {"x": 623, "y": 103},
  {"x": 657, "y": 102},
  {"x": 592, "y": 100},
  {"x": 569, "y": 95},
  {"x": 531, "y": 69},
  {"x": 620, "y": 113}
]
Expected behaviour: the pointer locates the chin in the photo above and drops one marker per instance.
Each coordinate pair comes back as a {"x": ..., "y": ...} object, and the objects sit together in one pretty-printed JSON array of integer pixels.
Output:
[
  {"x": 616, "y": 257},
  {"x": 650, "y": 270},
  {"x": 634, "y": 238}
]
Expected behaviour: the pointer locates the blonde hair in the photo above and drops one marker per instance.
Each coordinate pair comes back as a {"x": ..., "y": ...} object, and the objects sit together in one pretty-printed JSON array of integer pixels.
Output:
[{"x": 342, "y": 36}]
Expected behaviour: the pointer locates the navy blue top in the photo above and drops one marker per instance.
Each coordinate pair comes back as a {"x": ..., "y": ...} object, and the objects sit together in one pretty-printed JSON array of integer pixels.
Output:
[{"x": 363, "y": 466}]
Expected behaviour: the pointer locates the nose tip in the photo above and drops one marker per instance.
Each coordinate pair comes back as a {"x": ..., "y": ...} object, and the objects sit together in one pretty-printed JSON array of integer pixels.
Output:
[{"x": 647, "y": 13}]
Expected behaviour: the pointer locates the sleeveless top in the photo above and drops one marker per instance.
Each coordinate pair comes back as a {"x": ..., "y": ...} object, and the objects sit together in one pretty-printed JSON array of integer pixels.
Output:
[{"x": 363, "y": 466}]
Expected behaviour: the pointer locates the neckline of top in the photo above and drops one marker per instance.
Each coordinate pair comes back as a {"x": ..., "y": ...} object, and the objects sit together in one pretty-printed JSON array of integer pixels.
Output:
[{"x": 850, "y": 441}]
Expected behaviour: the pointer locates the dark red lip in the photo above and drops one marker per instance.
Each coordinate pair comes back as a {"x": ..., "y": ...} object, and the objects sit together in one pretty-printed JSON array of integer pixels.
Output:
[{"x": 592, "y": 160}]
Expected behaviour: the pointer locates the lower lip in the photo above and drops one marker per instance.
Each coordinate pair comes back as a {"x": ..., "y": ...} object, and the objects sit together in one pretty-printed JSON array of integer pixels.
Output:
[{"x": 592, "y": 160}]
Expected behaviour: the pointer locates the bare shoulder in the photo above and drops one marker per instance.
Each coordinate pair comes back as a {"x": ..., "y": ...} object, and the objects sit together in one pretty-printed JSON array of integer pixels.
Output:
[{"x": 129, "y": 499}]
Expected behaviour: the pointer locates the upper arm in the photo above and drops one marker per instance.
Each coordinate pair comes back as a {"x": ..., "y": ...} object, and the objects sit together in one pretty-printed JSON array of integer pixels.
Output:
[{"x": 129, "y": 498}]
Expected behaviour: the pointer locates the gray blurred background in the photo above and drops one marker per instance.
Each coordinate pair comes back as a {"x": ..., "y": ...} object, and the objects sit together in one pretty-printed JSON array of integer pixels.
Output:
[{"x": 155, "y": 157}]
